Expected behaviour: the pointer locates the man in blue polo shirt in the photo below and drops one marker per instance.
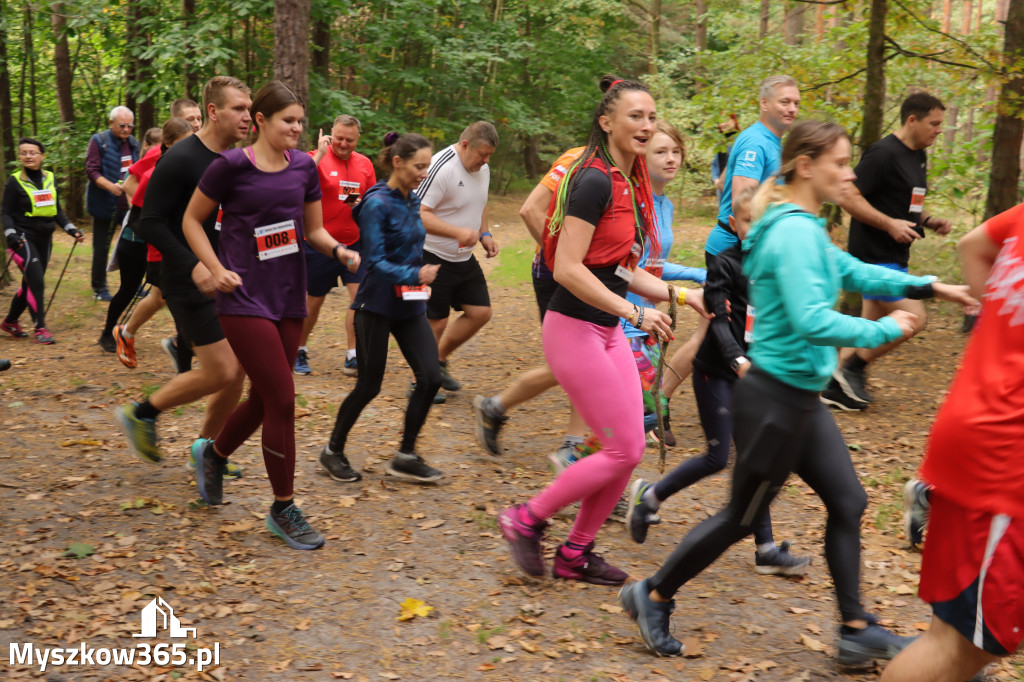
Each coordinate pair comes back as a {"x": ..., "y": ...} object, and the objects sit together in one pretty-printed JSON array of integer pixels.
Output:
[{"x": 756, "y": 154}]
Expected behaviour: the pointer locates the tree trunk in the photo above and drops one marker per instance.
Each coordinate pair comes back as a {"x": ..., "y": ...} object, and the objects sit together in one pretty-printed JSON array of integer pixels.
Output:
[
  {"x": 701, "y": 30},
  {"x": 291, "y": 49},
  {"x": 322, "y": 47},
  {"x": 655, "y": 39},
  {"x": 794, "y": 29},
  {"x": 10, "y": 154},
  {"x": 531, "y": 157},
  {"x": 949, "y": 134},
  {"x": 193, "y": 84},
  {"x": 1004, "y": 175},
  {"x": 947, "y": 13},
  {"x": 819, "y": 23},
  {"x": 874, "y": 86},
  {"x": 762, "y": 30},
  {"x": 73, "y": 180}
]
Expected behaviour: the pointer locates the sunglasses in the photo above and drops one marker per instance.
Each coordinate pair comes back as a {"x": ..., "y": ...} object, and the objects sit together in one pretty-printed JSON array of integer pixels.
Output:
[{"x": 123, "y": 126}]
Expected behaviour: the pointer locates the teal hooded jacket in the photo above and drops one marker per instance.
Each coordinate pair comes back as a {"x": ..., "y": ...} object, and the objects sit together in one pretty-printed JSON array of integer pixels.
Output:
[{"x": 795, "y": 275}]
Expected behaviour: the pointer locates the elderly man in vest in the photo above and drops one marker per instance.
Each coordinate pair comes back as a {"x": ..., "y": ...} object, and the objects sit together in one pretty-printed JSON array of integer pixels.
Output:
[{"x": 109, "y": 155}]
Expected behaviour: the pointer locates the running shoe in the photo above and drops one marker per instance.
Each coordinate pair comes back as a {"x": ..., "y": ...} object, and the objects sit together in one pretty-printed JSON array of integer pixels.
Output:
[
  {"x": 640, "y": 515},
  {"x": 915, "y": 510},
  {"x": 860, "y": 647},
  {"x": 562, "y": 457},
  {"x": 302, "y": 363},
  {"x": 5, "y": 365},
  {"x": 487, "y": 426},
  {"x": 834, "y": 396},
  {"x": 670, "y": 439},
  {"x": 125, "y": 348},
  {"x": 101, "y": 295},
  {"x": 448, "y": 382},
  {"x": 852, "y": 383},
  {"x": 412, "y": 467},
  {"x": 232, "y": 470},
  {"x": 291, "y": 526},
  {"x": 778, "y": 561},
  {"x": 523, "y": 540},
  {"x": 14, "y": 329},
  {"x": 209, "y": 473},
  {"x": 107, "y": 342},
  {"x": 141, "y": 433},
  {"x": 44, "y": 337},
  {"x": 439, "y": 398},
  {"x": 171, "y": 348},
  {"x": 651, "y": 617},
  {"x": 338, "y": 467},
  {"x": 351, "y": 367},
  {"x": 588, "y": 567}
]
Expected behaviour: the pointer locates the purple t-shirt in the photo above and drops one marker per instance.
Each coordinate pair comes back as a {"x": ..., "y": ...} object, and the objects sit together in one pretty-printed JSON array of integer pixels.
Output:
[{"x": 257, "y": 241}]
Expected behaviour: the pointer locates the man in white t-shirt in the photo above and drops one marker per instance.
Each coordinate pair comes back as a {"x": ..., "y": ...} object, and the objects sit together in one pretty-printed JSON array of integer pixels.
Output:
[{"x": 454, "y": 212}]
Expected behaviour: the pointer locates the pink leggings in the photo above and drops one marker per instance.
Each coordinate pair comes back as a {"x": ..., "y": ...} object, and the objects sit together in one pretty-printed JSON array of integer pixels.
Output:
[
  {"x": 266, "y": 350},
  {"x": 595, "y": 367}
]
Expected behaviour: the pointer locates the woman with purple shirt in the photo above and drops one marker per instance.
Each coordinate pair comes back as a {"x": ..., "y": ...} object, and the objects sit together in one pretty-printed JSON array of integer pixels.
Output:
[{"x": 270, "y": 197}]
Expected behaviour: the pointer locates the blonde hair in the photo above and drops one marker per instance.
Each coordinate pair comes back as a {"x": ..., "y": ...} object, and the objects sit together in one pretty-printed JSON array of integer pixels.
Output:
[
  {"x": 807, "y": 138},
  {"x": 666, "y": 128}
]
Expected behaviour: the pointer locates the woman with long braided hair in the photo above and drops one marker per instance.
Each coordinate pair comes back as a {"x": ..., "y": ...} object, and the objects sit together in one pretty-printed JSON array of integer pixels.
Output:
[{"x": 601, "y": 220}]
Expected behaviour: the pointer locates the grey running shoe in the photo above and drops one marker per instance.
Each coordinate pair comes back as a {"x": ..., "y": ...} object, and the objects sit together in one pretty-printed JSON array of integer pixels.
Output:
[
  {"x": 412, "y": 467},
  {"x": 210, "y": 473},
  {"x": 915, "y": 510},
  {"x": 291, "y": 526},
  {"x": 852, "y": 383},
  {"x": 338, "y": 467},
  {"x": 169, "y": 347},
  {"x": 487, "y": 426},
  {"x": 860, "y": 647},
  {"x": 141, "y": 433},
  {"x": 651, "y": 617},
  {"x": 523, "y": 540},
  {"x": 562, "y": 458},
  {"x": 448, "y": 382},
  {"x": 302, "y": 363},
  {"x": 778, "y": 561},
  {"x": 835, "y": 396},
  {"x": 640, "y": 515}
]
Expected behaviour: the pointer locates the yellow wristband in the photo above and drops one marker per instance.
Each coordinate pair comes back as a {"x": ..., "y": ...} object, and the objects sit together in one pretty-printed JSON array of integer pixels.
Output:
[{"x": 681, "y": 298}]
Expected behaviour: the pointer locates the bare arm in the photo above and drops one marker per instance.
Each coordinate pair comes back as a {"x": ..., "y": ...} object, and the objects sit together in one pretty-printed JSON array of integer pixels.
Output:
[
  {"x": 857, "y": 206},
  {"x": 435, "y": 226},
  {"x": 130, "y": 186},
  {"x": 321, "y": 240},
  {"x": 209, "y": 273},
  {"x": 486, "y": 238},
  {"x": 978, "y": 253},
  {"x": 740, "y": 183},
  {"x": 534, "y": 212}
]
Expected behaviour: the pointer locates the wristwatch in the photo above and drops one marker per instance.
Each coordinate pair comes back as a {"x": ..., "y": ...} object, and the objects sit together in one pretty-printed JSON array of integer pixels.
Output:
[{"x": 739, "y": 362}]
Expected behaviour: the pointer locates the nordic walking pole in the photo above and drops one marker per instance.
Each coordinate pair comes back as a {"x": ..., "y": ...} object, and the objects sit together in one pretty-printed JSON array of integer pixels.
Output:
[
  {"x": 656, "y": 389},
  {"x": 57, "y": 285},
  {"x": 4, "y": 275}
]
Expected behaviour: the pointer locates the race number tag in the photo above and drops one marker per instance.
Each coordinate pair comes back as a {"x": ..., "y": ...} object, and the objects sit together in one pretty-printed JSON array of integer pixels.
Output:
[
  {"x": 917, "y": 199},
  {"x": 655, "y": 266},
  {"x": 220, "y": 217},
  {"x": 274, "y": 241},
  {"x": 628, "y": 265},
  {"x": 43, "y": 197},
  {"x": 348, "y": 191},
  {"x": 126, "y": 162},
  {"x": 463, "y": 248},
  {"x": 412, "y": 293},
  {"x": 748, "y": 326}
]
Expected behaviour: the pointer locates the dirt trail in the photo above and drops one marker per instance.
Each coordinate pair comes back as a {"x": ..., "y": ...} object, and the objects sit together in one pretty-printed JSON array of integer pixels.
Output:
[{"x": 277, "y": 614}]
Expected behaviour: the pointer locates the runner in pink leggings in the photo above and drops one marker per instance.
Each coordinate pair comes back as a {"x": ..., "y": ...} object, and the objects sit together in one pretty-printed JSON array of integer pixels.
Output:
[{"x": 601, "y": 220}]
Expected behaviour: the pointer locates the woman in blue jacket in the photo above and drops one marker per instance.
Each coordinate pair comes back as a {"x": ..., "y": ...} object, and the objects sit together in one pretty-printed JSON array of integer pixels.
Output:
[
  {"x": 392, "y": 300},
  {"x": 795, "y": 275}
]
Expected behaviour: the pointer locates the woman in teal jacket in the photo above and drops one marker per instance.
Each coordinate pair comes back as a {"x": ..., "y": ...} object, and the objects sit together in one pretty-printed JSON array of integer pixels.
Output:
[{"x": 795, "y": 275}]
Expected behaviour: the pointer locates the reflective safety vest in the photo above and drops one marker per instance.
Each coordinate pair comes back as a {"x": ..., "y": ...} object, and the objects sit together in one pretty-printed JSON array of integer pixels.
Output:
[{"x": 44, "y": 201}]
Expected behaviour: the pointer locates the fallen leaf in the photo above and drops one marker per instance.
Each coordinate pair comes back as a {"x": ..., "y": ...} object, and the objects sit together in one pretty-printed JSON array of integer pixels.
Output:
[
  {"x": 79, "y": 550},
  {"x": 347, "y": 501},
  {"x": 693, "y": 647},
  {"x": 812, "y": 643},
  {"x": 414, "y": 607},
  {"x": 427, "y": 525},
  {"x": 528, "y": 647},
  {"x": 304, "y": 624},
  {"x": 610, "y": 608},
  {"x": 797, "y": 610},
  {"x": 486, "y": 666}
]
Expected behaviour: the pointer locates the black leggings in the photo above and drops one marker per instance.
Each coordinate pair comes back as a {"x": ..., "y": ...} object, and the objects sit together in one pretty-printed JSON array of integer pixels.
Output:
[
  {"x": 32, "y": 258},
  {"x": 131, "y": 258},
  {"x": 780, "y": 429},
  {"x": 416, "y": 341},
  {"x": 714, "y": 404}
]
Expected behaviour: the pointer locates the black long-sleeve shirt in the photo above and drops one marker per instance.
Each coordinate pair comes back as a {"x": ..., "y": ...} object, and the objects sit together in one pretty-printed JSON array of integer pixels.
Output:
[
  {"x": 17, "y": 203},
  {"x": 170, "y": 189},
  {"x": 724, "y": 340}
]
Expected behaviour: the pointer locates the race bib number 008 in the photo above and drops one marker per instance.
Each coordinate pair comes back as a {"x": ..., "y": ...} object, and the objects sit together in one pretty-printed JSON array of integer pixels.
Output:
[{"x": 274, "y": 241}]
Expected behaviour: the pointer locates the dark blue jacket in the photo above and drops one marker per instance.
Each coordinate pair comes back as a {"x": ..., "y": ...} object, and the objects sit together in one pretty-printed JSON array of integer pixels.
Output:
[
  {"x": 98, "y": 202},
  {"x": 391, "y": 243}
]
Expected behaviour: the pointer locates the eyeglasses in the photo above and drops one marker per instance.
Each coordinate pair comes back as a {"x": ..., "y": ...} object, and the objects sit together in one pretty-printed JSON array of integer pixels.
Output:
[
  {"x": 29, "y": 154},
  {"x": 123, "y": 126}
]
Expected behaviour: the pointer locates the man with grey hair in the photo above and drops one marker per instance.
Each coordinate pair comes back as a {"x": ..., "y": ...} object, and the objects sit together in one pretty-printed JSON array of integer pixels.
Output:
[
  {"x": 345, "y": 175},
  {"x": 454, "y": 212},
  {"x": 756, "y": 154},
  {"x": 107, "y": 159}
]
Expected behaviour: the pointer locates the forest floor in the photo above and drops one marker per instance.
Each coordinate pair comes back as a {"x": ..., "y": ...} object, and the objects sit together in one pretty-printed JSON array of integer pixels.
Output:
[{"x": 94, "y": 535}]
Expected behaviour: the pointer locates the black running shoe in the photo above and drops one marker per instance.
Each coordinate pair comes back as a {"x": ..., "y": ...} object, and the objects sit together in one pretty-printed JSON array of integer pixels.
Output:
[
  {"x": 670, "y": 439},
  {"x": 860, "y": 647},
  {"x": 778, "y": 561},
  {"x": 852, "y": 383},
  {"x": 487, "y": 426},
  {"x": 834, "y": 396},
  {"x": 651, "y": 617},
  {"x": 291, "y": 526},
  {"x": 640, "y": 515},
  {"x": 448, "y": 382},
  {"x": 412, "y": 467},
  {"x": 210, "y": 474},
  {"x": 338, "y": 467},
  {"x": 439, "y": 398},
  {"x": 107, "y": 342}
]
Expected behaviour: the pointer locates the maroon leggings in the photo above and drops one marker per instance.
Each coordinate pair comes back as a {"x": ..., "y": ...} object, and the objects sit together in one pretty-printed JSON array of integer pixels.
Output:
[{"x": 266, "y": 349}]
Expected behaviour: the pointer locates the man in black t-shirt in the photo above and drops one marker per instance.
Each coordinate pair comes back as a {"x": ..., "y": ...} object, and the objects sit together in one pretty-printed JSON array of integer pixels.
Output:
[{"x": 887, "y": 215}]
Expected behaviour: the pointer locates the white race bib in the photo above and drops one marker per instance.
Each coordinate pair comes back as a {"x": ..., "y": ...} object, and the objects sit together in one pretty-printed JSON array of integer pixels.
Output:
[
  {"x": 917, "y": 199},
  {"x": 43, "y": 197},
  {"x": 748, "y": 326},
  {"x": 274, "y": 241}
]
